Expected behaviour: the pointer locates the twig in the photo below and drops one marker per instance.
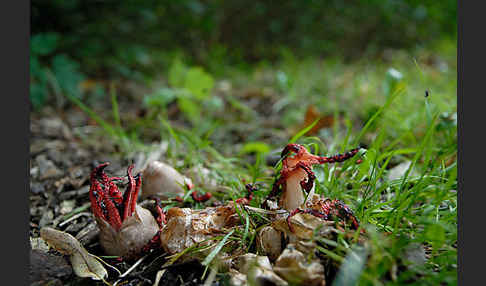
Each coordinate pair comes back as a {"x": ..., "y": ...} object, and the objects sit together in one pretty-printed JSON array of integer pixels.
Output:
[
  {"x": 133, "y": 266},
  {"x": 74, "y": 217},
  {"x": 129, "y": 270},
  {"x": 263, "y": 211}
]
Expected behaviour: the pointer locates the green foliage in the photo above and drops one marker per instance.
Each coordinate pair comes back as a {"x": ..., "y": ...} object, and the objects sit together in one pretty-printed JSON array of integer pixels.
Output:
[
  {"x": 67, "y": 73},
  {"x": 217, "y": 249},
  {"x": 177, "y": 73},
  {"x": 256, "y": 147},
  {"x": 387, "y": 112},
  {"x": 305, "y": 47},
  {"x": 161, "y": 97},
  {"x": 190, "y": 87},
  {"x": 44, "y": 44},
  {"x": 213, "y": 28},
  {"x": 51, "y": 71},
  {"x": 135, "y": 41},
  {"x": 198, "y": 83}
]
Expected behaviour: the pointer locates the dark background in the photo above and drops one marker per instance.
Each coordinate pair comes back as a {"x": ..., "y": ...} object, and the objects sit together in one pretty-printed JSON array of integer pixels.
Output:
[{"x": 136, "y": 39}]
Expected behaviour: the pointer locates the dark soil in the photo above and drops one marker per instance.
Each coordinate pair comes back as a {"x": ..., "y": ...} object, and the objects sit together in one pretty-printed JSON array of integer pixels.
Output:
[{"x": 62, "y": 155}]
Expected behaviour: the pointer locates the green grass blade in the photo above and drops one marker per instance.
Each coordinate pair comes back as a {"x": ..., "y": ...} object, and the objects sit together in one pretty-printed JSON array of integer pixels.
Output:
[
  {"x": 303, "y": 131},
  {"x": 105, "y": 125},
  {"x": 114, "y": 105},
  {"x": 217, "y": 249},
  {"x": 171, "y": 131},
  {"x": 399, "y": 90},
  {"x": 352, "y": 267}
]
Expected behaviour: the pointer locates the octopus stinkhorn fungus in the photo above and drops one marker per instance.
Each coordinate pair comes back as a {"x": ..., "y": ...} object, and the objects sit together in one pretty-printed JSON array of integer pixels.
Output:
[
  {"x": 125, "y": 227},
  {"x": 297, "y": 175}
]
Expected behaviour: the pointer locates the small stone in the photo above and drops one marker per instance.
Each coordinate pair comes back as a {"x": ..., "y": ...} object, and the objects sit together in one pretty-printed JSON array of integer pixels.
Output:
[
  {"x": 55, "y": 155},
  {"x": 37, "y": 188},
  {"x": 55, "y": 127},
  {"x": 47, "y": 169},
  {"x": 256, "y": 269},
  {"x": 39, "y": 244},
  {"x": 34, "y": 172},
  {"x": 415, "y": 255},
  {"x": 67, "y": 206},
  {"x": 398, "y": 171},
  {"x": 46, "y": 218},
  {"x": 269, "y": 241},
  {"x": 47, "y": 268}
]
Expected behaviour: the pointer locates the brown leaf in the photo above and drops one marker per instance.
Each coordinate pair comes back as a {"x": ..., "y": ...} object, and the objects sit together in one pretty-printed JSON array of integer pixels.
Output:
[
  {"x": 84, "y": 264},
  {"x": 311, "y": 115}
]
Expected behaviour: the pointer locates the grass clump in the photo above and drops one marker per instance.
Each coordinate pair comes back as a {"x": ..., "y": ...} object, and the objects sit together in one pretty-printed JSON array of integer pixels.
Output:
[{"x": 404, "y": 190}]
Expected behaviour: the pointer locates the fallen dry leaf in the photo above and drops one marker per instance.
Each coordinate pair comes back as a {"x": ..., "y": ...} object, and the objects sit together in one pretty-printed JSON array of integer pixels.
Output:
[
  {"x": 312, "y": 115},
  {"x": 84, "y": 264},
  {"x": 294, "y": 267},
  {"x": 252, "y": 269}
]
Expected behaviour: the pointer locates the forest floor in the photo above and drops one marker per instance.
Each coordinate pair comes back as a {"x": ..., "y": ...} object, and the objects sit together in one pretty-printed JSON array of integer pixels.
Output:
[{"x": 404, "y": 190}]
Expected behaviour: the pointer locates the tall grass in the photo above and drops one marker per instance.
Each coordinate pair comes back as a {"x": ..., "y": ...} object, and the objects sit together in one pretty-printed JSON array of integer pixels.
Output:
[{"x": 379, "y": 103}]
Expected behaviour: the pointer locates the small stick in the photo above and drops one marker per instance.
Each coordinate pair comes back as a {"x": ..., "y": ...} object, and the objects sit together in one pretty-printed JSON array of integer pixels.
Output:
[
  {"x": 74, "y": 217},
  {"x": 133, "y": 266}
]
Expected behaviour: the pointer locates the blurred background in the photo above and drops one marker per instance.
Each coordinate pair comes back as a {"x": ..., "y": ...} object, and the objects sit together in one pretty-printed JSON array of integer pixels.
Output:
[
  {"x": 198, "y": 64},
  {"x": 227, "y": 84}
]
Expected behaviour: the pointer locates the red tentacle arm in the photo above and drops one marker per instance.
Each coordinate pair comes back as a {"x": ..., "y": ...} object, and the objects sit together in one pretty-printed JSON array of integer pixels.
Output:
[
  {"x": 339, "y": 157},
  {"x": 307, "y": 183},
  {"x": 161, "y": 215},
  {"x": 138, "y": 184},
  {"x": 200, "y": 198},
  {"x": 327, "y": 210},
  {"x": 113, "y": 190},
  {"x": 96, "y": 198},
  {"x": 112, "y": 213},
  {"x": 107, "y": 201},
  {"x": 96, "y": 192},
  {"x": 249, "y": 195},
  {"x": 128, "y": 196}
]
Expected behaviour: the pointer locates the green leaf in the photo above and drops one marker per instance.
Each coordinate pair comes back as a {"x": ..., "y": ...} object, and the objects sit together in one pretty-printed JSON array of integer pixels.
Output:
[
  {"x": 198, "y": 82},
  {"x": 36, "y": 69},
  {"x": 177, "y": 73},
  {"x": 190, "y": 108},
  {"x": 367, "y": 164},
  {"x": 160, "y": 98},
  {"x": 38, "y": 94},
  {"x": 217, "y": 249},
  {"x": 247, "y": 225},
  {"x": 435, "y": 233},
  {"x": 257, "y": 147},
  {"x": 43, "y": 44},
  {"x": 67, "y": 74}
]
